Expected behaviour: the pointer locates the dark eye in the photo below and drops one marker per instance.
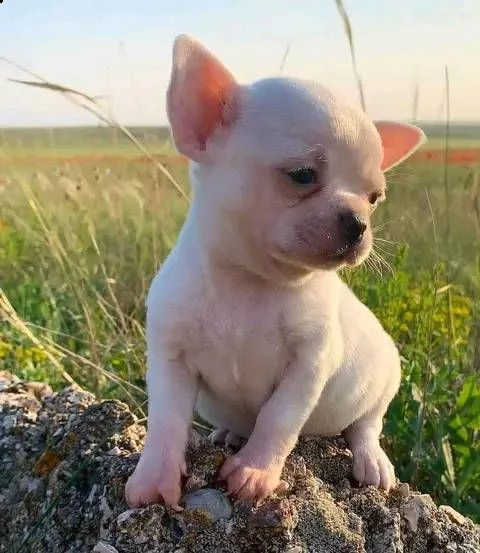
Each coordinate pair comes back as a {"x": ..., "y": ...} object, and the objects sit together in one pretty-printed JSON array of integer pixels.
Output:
[
  {"x": 305, "y": 176},
  {"x": 374, "y": 197}
]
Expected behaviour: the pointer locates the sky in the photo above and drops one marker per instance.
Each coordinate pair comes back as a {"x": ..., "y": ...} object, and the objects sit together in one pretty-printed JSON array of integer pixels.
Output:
[{"x": 121, "y": 50}]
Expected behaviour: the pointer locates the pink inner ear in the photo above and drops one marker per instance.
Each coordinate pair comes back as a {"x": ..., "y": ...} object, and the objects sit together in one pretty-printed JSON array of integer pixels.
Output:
[
  {"x": 201, "y": 91},
  {"x": 215, "y": 86},
  {"x": 399, "y": 141}
]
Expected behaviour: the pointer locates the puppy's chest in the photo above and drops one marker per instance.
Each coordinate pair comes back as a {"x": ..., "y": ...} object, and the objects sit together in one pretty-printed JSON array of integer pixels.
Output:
[{"x": 239, "y": 347}]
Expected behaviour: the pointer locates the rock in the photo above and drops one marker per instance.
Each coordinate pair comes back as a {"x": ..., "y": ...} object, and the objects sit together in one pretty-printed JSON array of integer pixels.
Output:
[
  {"x": 7, "y": 379},
  {"x": 213, "y": 502},
  {"x": 416, "y": 508},
  {"x": 277, "y": 515},
  {"x": 385, "y": 532},
  {"x": 403, "y": 490},
  {"x": 453, "y": 515},
  {"x": 66, "y": 458}
]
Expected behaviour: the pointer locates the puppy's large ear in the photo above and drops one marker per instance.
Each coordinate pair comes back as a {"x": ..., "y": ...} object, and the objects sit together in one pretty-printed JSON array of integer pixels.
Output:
[
  {"x": 200, "y": 97},
  {"x": 400, "y": 141}
]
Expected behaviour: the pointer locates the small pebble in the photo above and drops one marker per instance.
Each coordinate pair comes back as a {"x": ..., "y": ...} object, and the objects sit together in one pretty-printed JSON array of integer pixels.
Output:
[
  {"x": 103, "y": 547},
  {"x": 404, "y": 490},
  {"x": 213, "y": 501},
  {"x": 123, "y": 517}
]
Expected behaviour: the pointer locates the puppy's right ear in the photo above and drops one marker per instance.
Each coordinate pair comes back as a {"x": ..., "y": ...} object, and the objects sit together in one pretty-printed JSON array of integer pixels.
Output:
[{"x": 200, "y": 97}]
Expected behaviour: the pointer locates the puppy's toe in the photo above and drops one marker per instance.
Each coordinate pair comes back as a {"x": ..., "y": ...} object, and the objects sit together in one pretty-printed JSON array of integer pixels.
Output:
[
  {"x": 371, "y": 467},
  {"x": 223, "y": 436},
  {"x": 233, "y": 440},
  {"x": 218, "y": 436}
]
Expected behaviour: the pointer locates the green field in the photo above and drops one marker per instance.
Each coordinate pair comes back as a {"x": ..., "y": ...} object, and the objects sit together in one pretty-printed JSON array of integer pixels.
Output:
[{"x": 81, "y": 237}]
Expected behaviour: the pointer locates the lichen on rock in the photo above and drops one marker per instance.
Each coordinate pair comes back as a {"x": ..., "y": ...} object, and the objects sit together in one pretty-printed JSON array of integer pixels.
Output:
[{"x": 66, "y": 458}]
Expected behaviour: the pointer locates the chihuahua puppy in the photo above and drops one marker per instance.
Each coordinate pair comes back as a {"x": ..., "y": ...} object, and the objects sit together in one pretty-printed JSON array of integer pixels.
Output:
[{"x": 248, "y": 321}]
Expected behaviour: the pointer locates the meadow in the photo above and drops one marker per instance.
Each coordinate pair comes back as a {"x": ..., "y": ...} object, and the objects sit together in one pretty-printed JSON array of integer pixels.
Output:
[{"x": 86, "y": 220}]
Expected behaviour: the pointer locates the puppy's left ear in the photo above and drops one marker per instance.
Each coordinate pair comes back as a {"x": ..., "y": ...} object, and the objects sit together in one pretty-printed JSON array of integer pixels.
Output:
[
  {"x": 200, "y": 97},
  {"x": 399, "y": 140}
]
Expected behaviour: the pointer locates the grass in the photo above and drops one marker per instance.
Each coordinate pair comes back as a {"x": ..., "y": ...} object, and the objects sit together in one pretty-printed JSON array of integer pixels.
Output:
[{"x": 79, "y": 243}]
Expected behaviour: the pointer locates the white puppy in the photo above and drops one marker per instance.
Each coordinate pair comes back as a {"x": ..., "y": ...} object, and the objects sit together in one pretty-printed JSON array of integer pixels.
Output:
[{"x": 247, "y": 320}]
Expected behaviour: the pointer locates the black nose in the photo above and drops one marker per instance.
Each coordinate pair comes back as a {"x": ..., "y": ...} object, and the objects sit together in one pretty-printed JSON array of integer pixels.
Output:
[{"x": 353, "y": 226}]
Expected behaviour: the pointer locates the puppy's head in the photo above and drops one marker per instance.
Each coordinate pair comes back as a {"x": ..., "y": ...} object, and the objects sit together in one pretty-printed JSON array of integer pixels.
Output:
[{"x": 286, "y": 176}]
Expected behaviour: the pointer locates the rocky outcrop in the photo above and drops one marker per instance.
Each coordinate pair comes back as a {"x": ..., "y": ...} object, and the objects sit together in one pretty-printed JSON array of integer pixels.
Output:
[{"x": 65, "y": 459}]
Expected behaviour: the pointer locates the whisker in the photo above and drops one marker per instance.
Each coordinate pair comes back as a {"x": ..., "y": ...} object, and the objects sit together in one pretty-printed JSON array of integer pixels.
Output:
[
  {"x": 386, "y": 241},
  {"x": 384, "y": 224},
  {"x": 371, "y": 264},
  {"x": 378, "y": 267},
  {"x": 384, "y": 250},
  {"x": 383, "y": 262},
  {"x": 400, "y": 172}
]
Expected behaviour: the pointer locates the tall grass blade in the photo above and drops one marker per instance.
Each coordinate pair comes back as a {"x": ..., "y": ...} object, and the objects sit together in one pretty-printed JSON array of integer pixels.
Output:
[
  {"x": 284, "y": 58},
  {"x": 349, "y": 33},
  {"x": 90, "y": 104}
]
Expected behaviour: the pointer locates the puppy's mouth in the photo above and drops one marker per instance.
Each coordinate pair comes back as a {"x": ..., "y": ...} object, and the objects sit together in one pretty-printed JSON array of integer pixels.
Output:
[
  {"x": 345, "y": 252},
  {"x": 340, "y": 253},
  {"x": 350, "y": 254}
]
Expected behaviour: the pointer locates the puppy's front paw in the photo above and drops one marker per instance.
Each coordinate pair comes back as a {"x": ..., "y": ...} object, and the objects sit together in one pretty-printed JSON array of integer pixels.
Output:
[
  {"x": 247, "y": 482},
  {"x": 156, "y": 479},
  {"x": 372, "y": 467}
]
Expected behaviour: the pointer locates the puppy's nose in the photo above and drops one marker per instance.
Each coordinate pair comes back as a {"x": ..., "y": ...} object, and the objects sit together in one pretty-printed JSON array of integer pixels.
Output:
[{"x": 353, "y": 226}]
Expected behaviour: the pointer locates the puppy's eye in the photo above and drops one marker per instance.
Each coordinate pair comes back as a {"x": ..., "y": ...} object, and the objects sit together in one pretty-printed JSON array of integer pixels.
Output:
[
  {"x": 374, "y": 197},
  {"x": 304, "y": 176}
]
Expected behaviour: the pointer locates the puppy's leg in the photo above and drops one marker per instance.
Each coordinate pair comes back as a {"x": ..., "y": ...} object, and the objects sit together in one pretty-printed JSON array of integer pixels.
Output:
[
  {"x": 172, "y": 390},
  {"x": 255, "y": 471},
  {"x": 371, "y": 466}
]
